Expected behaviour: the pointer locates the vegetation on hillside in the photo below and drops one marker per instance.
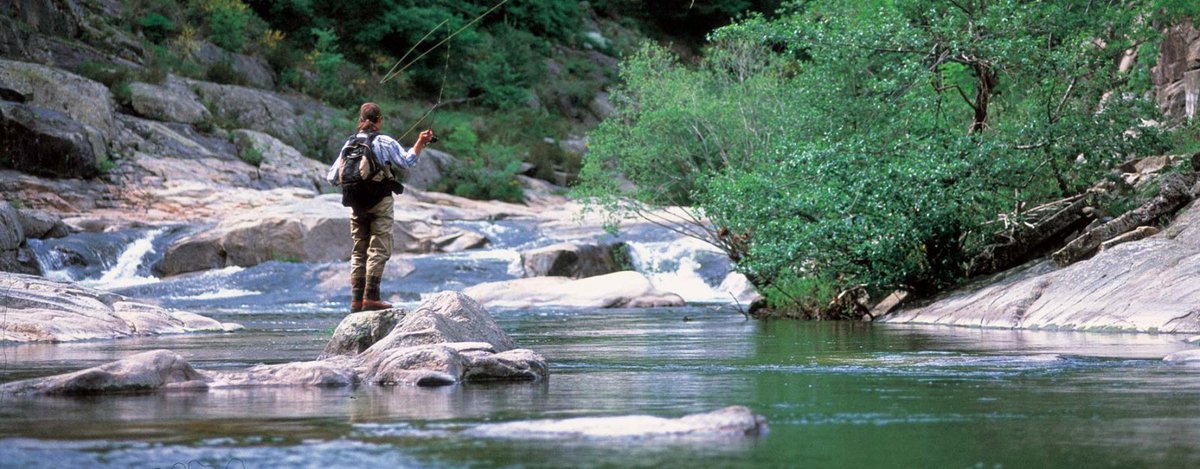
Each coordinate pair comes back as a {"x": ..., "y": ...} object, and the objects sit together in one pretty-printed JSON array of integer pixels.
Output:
[
  {"x": 867, "y": 145},
  {"x": 474, "y": 77}
]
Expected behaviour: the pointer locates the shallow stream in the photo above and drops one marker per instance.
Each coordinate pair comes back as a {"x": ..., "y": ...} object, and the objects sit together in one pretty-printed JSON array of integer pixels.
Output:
[{"x": 834, "y": 394}]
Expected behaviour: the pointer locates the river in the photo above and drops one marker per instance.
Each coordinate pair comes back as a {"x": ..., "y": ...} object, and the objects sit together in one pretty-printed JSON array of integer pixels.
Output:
[{"x": 834, "y": 394}]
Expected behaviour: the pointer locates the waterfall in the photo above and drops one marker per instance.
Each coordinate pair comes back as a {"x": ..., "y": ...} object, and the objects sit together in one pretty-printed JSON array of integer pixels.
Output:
[{"x": 125, "y": 272}]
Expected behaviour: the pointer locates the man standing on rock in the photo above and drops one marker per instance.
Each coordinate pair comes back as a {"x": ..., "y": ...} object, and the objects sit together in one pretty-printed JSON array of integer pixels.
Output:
[{"x": 363, "y": 168}]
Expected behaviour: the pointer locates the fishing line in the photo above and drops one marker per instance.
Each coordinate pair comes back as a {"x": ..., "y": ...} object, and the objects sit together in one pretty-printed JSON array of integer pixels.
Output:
[
  {"x": 435, "y": 46},
  {"x": 392, "y": 72},
  {"x": 445, "y": 71}
]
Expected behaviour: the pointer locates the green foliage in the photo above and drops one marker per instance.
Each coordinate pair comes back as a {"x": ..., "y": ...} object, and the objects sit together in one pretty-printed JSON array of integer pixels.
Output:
[
  {"x": 228, "y": 21},
  {"x": 845, "y": 145},
  {"x": 156, "y": 27},
  {"x": 105, "y": 165},
  {"x": 251, "y": 154},
  {"x": 489, "y": 177},
  {"x": 224, "y": 72}
]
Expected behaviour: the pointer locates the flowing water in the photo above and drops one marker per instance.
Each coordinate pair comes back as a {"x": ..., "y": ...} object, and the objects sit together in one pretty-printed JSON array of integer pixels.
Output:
[{"x": 834, "y": 394}]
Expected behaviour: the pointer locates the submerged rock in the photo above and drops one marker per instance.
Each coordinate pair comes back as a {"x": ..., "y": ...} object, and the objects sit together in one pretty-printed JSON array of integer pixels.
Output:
[
  {"x": 730, "y": 421},
  {"x": 1146, "y": 285},
  {"x": 626, "y": 289},
  {"x": 41, "y": 310},
  {"x": 448, "y": 339}
]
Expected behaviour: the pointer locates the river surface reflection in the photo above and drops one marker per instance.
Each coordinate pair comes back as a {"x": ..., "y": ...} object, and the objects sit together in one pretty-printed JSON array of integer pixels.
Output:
[{"x": 834, "y": 394}]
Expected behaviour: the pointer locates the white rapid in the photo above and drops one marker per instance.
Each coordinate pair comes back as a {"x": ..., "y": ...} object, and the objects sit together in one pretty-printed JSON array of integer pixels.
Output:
[
  {"x": 125, "y": 272},
  {"x": 690, "y": 268}
]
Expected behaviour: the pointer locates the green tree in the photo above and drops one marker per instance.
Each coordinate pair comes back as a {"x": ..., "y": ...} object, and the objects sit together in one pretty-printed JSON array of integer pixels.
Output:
[{"x": 844, "y": 145}]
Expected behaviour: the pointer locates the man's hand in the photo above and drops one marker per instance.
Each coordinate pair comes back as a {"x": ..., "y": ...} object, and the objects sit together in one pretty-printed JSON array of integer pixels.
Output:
[{"x": 423, "y": 139}]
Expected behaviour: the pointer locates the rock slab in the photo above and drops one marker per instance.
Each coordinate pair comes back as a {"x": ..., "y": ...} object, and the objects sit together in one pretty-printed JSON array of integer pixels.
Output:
[
  {"x": 1146, "y": 286},
  {"x": 733, "y": 421},
  {"x": 626, "y": 289},
  {"x": 40, "y": 310}
]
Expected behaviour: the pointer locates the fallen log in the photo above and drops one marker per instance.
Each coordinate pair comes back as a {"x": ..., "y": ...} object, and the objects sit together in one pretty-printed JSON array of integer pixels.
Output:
[
  {"x": 1024, "y": 242},
  {"x": 1173, "y": 194}
]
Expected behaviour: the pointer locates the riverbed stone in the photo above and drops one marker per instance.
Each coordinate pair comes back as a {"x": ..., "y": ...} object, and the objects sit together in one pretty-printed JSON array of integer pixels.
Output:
[
  {"x": 40, "y": 224},
  {"x": 448, "y": 339},
  {"x": 733, "y": 421},
  {"x": 1188, "y": 357},
  {"x": 359, "y": 331},
  {"x": 626, "y": 289},
  {"x": 576, "y": 260},
  {"x": 157, "y": 369},
  {"x": 41, "y": 310},
  {"x": 1144, "y": 285}
]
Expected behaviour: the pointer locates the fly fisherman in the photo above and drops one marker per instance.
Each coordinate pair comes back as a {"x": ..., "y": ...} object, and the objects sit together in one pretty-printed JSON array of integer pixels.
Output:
[{"x": 364, "y": 168}]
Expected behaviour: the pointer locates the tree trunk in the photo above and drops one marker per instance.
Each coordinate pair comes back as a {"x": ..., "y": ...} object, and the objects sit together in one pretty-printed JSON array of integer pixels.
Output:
[{"x": 1173, "y": 195}]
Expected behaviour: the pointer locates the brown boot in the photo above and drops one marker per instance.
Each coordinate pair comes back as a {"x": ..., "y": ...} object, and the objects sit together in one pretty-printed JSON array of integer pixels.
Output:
[
  {"x": 357, "y": 286},
  {"x": 371, "y": 301}
]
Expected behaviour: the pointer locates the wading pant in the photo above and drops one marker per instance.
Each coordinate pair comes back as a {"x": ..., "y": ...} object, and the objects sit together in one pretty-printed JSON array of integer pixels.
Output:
[{"x": 371, "y": 230}]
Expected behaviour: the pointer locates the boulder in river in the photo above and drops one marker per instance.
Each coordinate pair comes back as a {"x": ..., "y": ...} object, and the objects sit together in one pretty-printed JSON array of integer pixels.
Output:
[
  {"x": 316, "y": 229},
  {"x": 15, "y": 256},
  {"x": 1146, "y": 285},
  {"x": 1187, "y": 357},
  {"x": 41, "y": 310},
  {"x": 733, "y": 421},
  {"x": 448, "y": 339},
  {"x": 626, "y": 289},
  {"x": 576, "y": 260}
]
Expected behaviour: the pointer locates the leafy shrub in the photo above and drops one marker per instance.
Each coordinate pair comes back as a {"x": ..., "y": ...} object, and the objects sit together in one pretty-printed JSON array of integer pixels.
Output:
[
  {"x": 251, "y": 154},
  {"x": 489, "y": 177},
  {"x": 224, "y": 72},
  {"x": 156, "y": 27},
  {"x": 228, "y": 21}
]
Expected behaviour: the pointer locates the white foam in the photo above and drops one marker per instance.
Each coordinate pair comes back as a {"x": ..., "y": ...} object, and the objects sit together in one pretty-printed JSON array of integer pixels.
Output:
[
  {"x": 672, "y": 267},
  {"x": 220, "y": 293},
  {"x": 124, "y": 273}
]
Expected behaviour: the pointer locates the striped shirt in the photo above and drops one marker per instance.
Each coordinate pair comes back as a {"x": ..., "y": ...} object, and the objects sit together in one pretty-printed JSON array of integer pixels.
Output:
[{"x": 387, "y": 151}]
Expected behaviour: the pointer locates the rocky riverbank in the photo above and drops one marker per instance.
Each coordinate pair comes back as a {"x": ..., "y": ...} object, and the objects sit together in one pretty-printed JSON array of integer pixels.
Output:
[
  {"x": 447, "y": 339},
  {"x": 39, "y": 310},
  {"x": 1144, "y": 286}
]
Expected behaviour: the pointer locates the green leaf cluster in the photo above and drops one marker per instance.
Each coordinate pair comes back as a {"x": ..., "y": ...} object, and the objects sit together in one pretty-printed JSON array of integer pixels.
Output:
[{"x": 867, "y": 144}]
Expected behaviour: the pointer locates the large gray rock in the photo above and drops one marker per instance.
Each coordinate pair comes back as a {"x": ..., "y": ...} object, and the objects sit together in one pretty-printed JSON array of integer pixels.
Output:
[
  {"x": 45, "y": 142},
  {"x": 158, "y": 369},
  {"x": 280, "y": 162},
  {"x": 313, "y": 230},
  {"x": 40, "y": 224},
  {"x": 255, "y": 71},
  {"x": 300, "y": 122},
  {"x": 1176, "y": 74},
  {"x": 408, "y": 354},
  {"x": 576, "y": 260},
  {"x": 731, "y": 421},
  {"x": 447, "y": 317},
  {"x": 14, "y": 255},
  {"x": 40, "y": 310},
  {"x": 359, "y": 331},
  {"x": 431, "y": 166},
  {"x": 85, "y": 101},
  {"x": 1145, "y": 285},
  {"x": 167, "y": 104},
  {"x": 627, "y": 289}
]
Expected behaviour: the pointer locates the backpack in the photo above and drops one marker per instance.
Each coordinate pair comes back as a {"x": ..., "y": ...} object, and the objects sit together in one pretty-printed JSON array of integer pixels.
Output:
[{"x": 359, "y": 163}]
